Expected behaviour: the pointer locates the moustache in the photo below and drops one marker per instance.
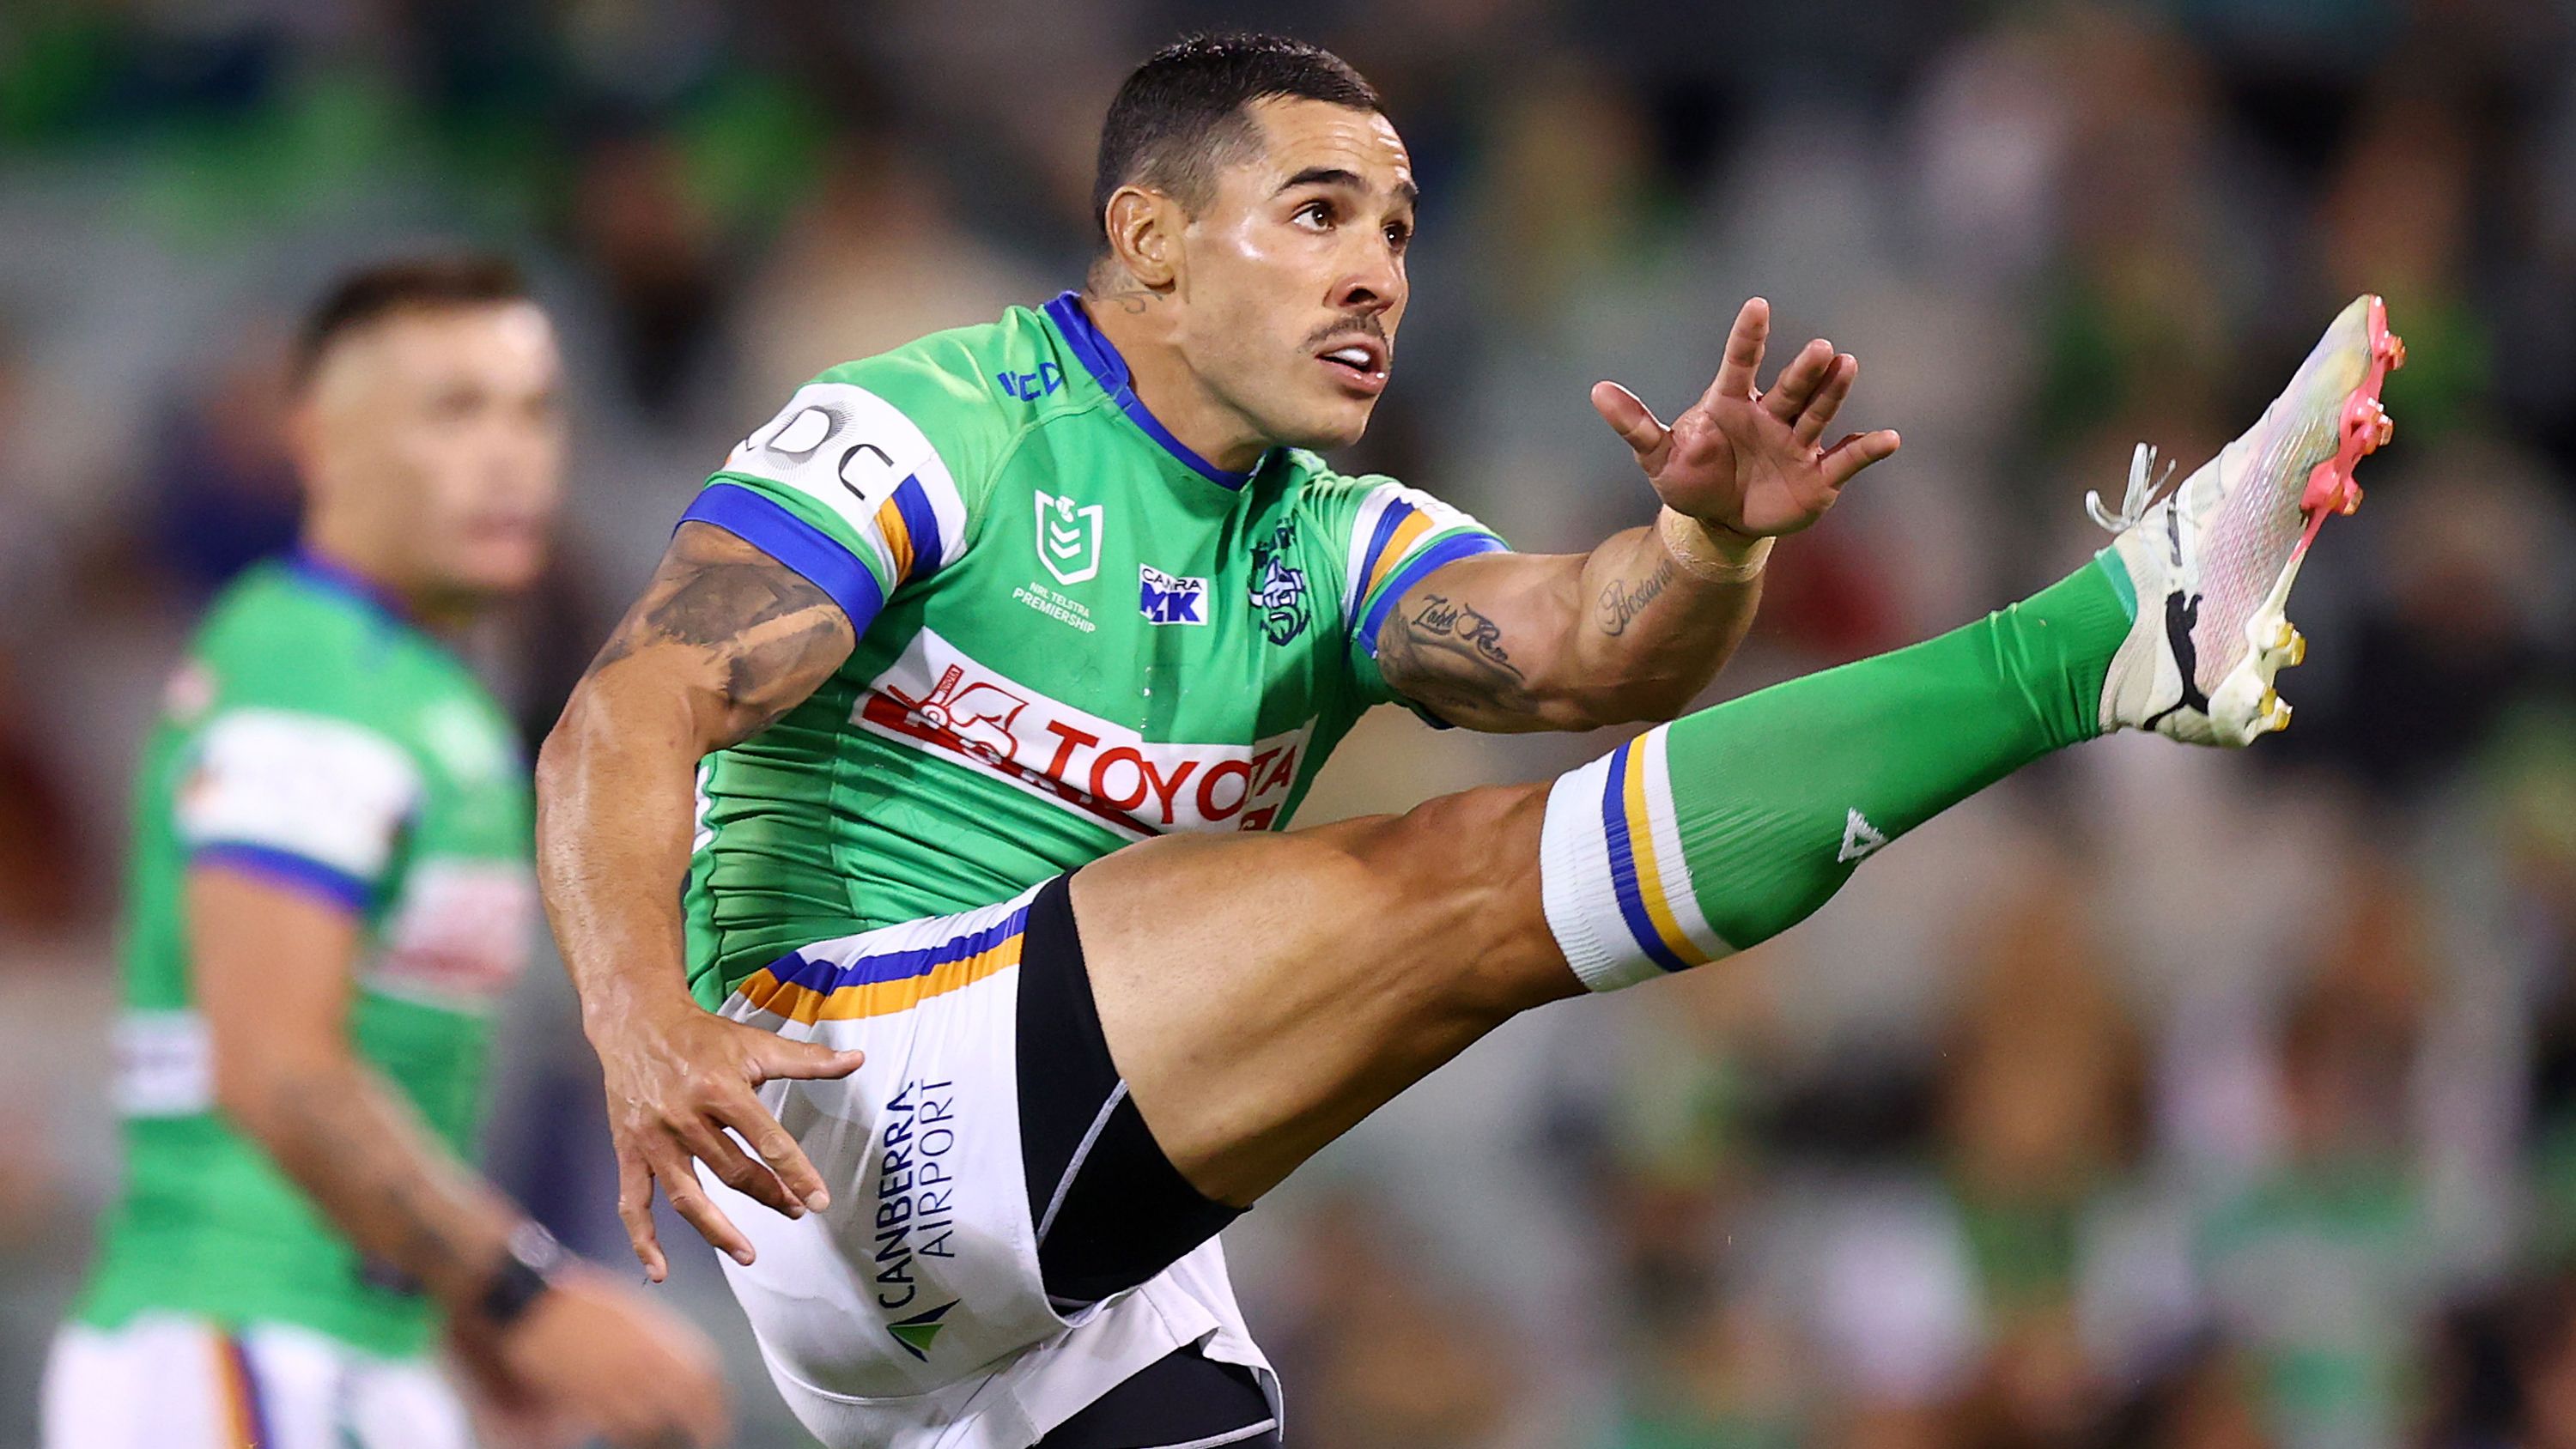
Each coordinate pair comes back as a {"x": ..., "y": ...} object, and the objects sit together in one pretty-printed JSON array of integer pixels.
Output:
[{"x": 1368, "y": 327}]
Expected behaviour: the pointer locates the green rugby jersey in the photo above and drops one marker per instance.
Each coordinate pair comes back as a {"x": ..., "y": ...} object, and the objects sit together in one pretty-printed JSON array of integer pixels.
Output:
[
  {"x": 1074, "y": 633},
  {"x": 316, "y": 740}
]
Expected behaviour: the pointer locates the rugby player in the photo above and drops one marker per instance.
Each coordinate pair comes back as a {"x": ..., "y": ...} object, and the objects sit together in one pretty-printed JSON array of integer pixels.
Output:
[
  {"x": 973, "y": 697},
  {"x": 329, "y": 892}
]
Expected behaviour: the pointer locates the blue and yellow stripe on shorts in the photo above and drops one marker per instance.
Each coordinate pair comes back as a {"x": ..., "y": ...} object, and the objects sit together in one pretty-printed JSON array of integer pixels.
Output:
[
  {"x": 810, "y": 989},
  {"x": 1647, "y": 872},
  {"x": 237, "y": 1395}
]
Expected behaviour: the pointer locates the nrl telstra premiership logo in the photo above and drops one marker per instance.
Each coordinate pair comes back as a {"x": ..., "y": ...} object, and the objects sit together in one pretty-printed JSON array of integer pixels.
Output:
[{"x": 1068, "y": 538}]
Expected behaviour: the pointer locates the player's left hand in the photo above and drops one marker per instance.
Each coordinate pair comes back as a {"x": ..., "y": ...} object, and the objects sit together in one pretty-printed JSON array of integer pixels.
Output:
[
  {"x": 506, "y": 1413},
  {"x": 1748, "y": 460}
]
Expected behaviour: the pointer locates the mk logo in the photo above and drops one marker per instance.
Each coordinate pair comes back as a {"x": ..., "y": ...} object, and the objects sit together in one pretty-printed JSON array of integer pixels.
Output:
[
  {"x": 1068, "y": 538},
  {"x": 1165, "y": 599}
]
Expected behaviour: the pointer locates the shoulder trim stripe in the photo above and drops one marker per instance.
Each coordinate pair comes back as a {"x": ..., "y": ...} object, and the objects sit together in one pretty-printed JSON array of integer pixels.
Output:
[
  {"x": 1399, "y": 528},
  {"x": 1463, "y": 544},
  {"x": 1100, "y": 358},
  {"x": 774, "y": 529},
  {"x": 298, "y": 873},
  {"x": 914, "y": 522},
  {"x": 1391, "y": 522},
  {"x": 898, "y": 540}
]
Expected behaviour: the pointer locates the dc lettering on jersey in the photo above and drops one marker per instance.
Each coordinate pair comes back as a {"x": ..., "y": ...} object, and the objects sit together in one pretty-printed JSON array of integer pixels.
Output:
[
  {"x": 1030, "y": 386},
  {"x": 937, "y": 699},
  {"x": 1166, "y": 599}
]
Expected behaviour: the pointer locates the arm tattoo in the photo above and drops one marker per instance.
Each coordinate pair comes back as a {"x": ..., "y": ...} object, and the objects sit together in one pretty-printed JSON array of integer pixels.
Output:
[
  {"x": 389, "y": 1188},
  {"x": 1622, "y": 602},
  {"x": 1447, "y": 653},
  {"x": 1473, "y": 630},
  {"x": 770, "y": 635}
]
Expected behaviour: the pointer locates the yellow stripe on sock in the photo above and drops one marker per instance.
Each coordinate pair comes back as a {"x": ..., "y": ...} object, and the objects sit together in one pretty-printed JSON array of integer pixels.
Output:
[{"x": 1650, "y": 879}]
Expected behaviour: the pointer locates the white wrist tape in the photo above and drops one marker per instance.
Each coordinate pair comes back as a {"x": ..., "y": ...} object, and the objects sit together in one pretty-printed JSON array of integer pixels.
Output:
[{"x": 1689, "y": 542}]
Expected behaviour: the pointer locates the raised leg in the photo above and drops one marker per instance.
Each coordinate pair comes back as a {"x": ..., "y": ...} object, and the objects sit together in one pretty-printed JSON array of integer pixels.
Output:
[{"x": 1262, "y": 994}]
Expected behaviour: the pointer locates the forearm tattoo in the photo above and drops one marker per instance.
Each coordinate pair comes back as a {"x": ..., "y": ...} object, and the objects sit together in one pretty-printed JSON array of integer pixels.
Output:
[
  {"x": 766, "y": 632},
  {"x": 1447, "y": 653},
  {"x": 1623, "y": 601},
  {"x": 377, "y": 1176}
]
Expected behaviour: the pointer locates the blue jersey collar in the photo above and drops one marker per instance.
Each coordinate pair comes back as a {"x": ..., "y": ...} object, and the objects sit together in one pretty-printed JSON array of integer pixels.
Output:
[
  {"x": 334, "y": 577},
  {"x": 1109, "y": 370}
]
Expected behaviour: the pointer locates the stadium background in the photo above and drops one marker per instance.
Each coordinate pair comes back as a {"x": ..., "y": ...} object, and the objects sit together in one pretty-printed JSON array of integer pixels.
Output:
[{"x": 2156, "y": 1098}]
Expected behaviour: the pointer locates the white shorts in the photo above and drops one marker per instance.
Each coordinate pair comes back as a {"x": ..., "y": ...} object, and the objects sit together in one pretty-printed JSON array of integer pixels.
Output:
[
  {"x": 167, "y": 1381},
  {"x": 912, "y": 1314}
]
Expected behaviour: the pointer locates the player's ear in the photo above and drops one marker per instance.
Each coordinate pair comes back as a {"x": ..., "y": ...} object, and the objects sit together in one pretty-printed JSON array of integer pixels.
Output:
[{"x": 1144, "y": 234}]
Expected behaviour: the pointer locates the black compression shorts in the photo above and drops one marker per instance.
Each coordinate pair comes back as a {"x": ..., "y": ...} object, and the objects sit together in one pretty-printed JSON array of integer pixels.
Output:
[{"x": 1111, "y": 1210}]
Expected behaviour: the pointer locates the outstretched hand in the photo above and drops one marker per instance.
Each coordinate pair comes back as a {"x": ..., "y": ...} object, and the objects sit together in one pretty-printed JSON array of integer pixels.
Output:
[
  {"x": 1748, "y": 460},
  {"x": 674, "y": 1085}
]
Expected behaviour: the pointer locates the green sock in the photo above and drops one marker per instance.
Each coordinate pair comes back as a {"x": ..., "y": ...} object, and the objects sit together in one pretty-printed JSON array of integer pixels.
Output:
[{"x": 1727, "y": 827}]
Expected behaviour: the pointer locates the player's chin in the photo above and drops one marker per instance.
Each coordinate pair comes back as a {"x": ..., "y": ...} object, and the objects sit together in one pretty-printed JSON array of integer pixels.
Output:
[
  {"x": 1335, "y": 423},
  {"x": 496, "y": 569}
]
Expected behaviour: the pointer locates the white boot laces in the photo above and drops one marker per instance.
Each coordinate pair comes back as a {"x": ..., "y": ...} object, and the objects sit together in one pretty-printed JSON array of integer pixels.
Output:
[{"x": 2144, "y": 484}]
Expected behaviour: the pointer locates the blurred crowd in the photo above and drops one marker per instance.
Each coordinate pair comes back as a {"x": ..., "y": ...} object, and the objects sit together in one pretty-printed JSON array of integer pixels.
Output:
[{"x": 2157, "y": 1098}]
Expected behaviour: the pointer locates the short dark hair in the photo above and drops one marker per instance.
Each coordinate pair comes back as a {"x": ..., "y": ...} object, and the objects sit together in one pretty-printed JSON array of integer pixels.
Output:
[
  {"x": 370, "y": 294},
  {"x": 1181, "y": 112}
]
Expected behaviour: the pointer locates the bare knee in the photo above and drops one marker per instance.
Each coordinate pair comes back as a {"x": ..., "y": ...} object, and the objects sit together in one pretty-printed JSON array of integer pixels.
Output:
[{"x": 1463, "y": 870}]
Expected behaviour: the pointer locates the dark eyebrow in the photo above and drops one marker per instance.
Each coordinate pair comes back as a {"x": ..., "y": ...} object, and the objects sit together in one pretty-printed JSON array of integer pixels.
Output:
[{"x": 1337, "y": 176}]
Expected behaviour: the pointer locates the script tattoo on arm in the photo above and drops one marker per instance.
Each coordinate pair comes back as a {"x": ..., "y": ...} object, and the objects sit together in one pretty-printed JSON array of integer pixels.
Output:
[
  {"x": 1447, "y": 655},
  {"x": 749, "y": 628},
  {"x": 1623, "y": 601}
]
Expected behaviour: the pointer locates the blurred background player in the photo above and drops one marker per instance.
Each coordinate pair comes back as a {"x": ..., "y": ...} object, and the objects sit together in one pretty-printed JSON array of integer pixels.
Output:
[{"x": 329, "y": 891}]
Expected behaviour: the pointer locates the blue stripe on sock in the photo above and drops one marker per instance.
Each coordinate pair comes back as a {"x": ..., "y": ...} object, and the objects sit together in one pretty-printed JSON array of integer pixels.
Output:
[{"x": 1623, "y": 866}]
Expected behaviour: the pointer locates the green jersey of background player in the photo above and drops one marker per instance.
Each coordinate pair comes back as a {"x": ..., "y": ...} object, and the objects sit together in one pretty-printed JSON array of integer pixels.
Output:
[
  {"x": 316, "y": 741},
  {"x": 330, "y": 888}
]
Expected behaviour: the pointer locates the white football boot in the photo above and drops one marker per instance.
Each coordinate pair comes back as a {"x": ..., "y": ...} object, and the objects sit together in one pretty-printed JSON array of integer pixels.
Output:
[{"x": 2213, "y": 560}]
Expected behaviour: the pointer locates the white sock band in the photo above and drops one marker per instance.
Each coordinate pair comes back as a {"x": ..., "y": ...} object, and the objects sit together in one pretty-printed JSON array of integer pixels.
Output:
[{"x": 1611, "y": 874}]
